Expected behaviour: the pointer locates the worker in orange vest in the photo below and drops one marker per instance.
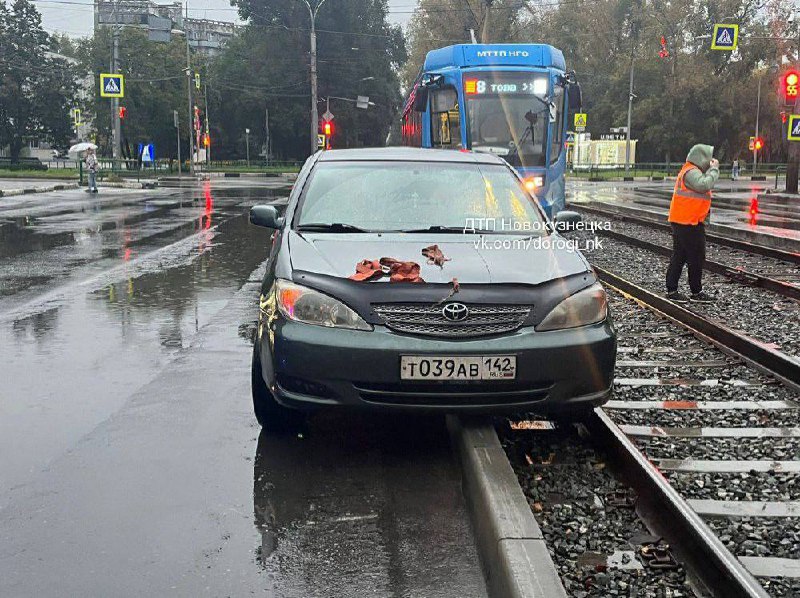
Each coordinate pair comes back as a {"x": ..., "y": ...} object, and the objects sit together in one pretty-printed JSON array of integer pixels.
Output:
[{"x": 691, "y": 202}]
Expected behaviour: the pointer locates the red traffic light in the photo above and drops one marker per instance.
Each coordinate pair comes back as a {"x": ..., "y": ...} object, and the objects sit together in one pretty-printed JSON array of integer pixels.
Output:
[
  {"x": 123, "y": 112},
  {"x": 790, "y": 84},
  {"x": 759, "y": 143},
  {"x": 327, "y": 128}
]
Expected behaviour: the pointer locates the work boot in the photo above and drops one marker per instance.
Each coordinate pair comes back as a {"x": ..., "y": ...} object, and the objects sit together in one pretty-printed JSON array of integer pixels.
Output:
[
  {"x": 677, "y": 297},
  {"x": 701, "y": 297}
]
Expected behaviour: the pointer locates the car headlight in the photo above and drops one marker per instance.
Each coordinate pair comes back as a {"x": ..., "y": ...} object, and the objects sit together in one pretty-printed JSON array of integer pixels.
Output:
[
  {"x": 584, "y": 307},
  {"x": 302, "y": 304}
]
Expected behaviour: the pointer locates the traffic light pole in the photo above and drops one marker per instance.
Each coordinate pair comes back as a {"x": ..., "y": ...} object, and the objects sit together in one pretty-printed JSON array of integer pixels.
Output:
[
  {"x": 312, "y": 12},
  {"x": 116, "y": 126},
  {"x": 793, "y": 163},
  {"x": 189, "y": 88},
  {"x": 758, "y": 111}
]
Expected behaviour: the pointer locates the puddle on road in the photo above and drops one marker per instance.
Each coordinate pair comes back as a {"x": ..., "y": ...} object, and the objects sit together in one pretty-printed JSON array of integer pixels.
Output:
[
  {"x": 71, "y": 362},
  {"x": 362, "y": 492},
  {"x": 55, "y": 249}
]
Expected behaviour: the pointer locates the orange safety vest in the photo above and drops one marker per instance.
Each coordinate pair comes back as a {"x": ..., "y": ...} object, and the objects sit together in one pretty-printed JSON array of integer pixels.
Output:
[{"x": 687, "y": 206}]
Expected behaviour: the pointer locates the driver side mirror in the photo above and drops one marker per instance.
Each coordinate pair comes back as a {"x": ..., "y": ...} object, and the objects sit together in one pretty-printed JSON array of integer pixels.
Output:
[
  {"x": 266, "y": 216},
  {"x": 575, "y": 97},
  {"x": 566, "y": 221}
]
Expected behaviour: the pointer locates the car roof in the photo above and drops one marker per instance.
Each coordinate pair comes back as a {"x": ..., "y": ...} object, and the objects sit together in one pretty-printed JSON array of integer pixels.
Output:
[{"x": 409, "y": 154}]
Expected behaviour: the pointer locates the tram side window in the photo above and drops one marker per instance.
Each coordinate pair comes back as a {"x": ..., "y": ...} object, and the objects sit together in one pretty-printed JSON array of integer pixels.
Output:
[
  {"x": 446, "y": 129},
  {"x": 446, "y": 126},
  {"x": 556, "y": 141}
]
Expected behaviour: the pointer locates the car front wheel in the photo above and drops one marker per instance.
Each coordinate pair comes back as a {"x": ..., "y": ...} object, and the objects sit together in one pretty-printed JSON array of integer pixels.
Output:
[{"x": 272, "y": 416}]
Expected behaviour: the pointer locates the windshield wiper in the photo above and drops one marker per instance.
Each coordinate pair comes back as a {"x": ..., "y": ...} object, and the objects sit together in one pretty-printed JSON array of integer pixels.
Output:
[
  {"x": 449, "y": 229},
  {"x": 332, "y": 227}
]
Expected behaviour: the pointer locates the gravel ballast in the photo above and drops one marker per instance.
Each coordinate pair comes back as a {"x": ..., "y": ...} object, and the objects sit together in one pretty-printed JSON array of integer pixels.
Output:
[
  {"x": 762, "y": 314},
  {"x": 565, "y": 481}
]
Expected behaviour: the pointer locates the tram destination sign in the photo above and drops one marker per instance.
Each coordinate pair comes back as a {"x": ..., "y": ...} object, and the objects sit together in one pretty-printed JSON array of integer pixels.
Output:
[{"x": 501, "y": 84}]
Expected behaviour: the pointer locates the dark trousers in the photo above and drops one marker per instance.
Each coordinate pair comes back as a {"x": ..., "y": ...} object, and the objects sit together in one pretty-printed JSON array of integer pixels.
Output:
[{"x": 688, "y": 247}]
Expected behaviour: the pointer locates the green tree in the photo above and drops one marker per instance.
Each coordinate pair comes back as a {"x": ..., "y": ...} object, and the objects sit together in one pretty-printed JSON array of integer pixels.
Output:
[
  {"x": 155, "y": 86},
  {"x": 36, "y": 87},
  {"x": 266, "y": 67},
  {"x": 436, "y": 24}
]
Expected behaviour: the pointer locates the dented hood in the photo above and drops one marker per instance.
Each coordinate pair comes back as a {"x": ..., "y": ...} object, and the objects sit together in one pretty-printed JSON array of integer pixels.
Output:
[{"x": 474, "y": 259}]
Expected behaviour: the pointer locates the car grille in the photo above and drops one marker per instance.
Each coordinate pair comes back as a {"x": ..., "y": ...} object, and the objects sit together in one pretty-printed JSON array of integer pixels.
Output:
[{"x": 427, "y": 319}]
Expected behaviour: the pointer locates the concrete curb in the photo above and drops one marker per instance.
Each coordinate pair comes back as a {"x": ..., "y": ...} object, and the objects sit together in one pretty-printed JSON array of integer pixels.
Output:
[
  {"x": 29, "y": 190},
  {"x": 511, "y": 545}
]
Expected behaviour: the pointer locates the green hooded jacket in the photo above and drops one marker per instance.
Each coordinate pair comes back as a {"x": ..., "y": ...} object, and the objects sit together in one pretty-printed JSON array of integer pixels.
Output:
[{"x": 704, "y": 179}]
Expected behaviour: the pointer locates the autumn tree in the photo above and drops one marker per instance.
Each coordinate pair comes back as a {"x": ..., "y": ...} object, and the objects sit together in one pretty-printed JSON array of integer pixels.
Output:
[{"x": 36, "y": 86}]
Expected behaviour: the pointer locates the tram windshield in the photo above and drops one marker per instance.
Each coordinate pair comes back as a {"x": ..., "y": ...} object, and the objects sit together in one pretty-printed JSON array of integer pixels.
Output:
[{"x": 508, "y": 114}]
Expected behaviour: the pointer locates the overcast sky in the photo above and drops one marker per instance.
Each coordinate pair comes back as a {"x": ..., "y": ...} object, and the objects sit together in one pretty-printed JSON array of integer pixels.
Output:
[{"x": 75, "y": 17}]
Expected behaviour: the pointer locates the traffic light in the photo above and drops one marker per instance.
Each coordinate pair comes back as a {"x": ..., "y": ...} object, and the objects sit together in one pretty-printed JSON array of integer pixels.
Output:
[
  {"x": 327, "y": 128},
  {"x": 663, "y": 52},
  {"x": 758, "y": 144},
  {"x": 790, "y": 84},
  {"x": 123, "y": 112},
  {"x": 206, "y": 140}
]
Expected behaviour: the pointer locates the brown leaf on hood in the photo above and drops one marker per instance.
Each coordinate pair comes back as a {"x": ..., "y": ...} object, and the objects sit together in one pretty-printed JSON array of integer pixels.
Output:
[{"x": 435, "y": 256}]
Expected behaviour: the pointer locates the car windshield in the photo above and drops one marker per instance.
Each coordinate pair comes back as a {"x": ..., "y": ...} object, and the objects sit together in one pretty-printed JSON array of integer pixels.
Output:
[{"x": 416, "y": 196}]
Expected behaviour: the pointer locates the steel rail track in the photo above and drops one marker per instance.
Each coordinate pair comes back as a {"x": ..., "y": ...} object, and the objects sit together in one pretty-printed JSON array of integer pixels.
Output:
[
  {"x": 751, "y": 350},
  {"x": 739, "y": 275},
  {"x": 661, "y": 505},
  {"x": 778, "y": 254},
  {"x": 669, "y": 515}
]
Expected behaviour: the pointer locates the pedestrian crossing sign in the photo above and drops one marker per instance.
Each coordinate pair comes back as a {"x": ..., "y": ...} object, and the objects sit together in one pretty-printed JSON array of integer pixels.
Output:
[
  {"x": 793, "y": 132},
  {"x": 580, "y": 121},
  {"x": 725, "y": 37},
  {"x": 112, "y": 85}
]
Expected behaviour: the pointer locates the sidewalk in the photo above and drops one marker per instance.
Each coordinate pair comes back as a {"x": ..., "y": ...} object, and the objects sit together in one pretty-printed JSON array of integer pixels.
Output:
[
  {"x": 10, "y": 187},
  {"x": 26, "y": 188}
]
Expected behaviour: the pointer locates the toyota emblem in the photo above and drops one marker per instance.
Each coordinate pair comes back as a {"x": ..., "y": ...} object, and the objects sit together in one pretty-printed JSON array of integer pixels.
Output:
[{"x": 455, "y": 312}]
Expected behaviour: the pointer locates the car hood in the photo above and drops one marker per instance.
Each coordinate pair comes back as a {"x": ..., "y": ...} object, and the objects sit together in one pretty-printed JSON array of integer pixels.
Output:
[{"x": 470, "y": 260}]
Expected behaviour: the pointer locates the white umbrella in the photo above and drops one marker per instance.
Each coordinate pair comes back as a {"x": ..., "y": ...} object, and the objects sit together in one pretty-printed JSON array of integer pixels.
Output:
[{"x": 78, "y": 148}]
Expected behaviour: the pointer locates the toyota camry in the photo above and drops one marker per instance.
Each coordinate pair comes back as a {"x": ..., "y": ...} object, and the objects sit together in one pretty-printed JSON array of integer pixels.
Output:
[{"x": 424, "y": 279}]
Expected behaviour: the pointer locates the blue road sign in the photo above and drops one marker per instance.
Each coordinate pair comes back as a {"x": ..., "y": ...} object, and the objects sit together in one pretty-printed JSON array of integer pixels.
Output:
[
  {"x": 725, "y": 37},
  {"x": 793, "y": 131},
  {"x": 112, "y": 85}
]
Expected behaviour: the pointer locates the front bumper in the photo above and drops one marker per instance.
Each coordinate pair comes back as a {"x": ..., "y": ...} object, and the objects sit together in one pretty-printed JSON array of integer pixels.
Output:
[{"x": 305, "y": 365}]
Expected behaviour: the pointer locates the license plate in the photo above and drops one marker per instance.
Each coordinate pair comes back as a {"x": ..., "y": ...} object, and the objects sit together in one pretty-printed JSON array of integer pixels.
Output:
[{"x": 476, "y": 367}]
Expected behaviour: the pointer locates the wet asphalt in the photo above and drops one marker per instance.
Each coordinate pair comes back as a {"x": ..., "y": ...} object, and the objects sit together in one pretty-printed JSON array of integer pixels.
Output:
[{"x": 130, "y": 462}]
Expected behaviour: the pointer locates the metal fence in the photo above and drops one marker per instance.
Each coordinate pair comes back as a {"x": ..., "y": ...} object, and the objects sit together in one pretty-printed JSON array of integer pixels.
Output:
[
  {"x": 661, "y": 170},
  {"x": 134, "y": 169}
]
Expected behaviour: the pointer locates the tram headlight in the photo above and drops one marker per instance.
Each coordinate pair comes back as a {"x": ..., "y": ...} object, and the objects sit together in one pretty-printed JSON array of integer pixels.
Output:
[{"x": 534, "y": 183}]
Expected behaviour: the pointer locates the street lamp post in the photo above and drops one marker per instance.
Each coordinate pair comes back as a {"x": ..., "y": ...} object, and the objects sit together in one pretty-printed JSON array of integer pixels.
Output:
[
  {"x": 312, "y": 12},
  {"x": 628, "y": 127},
  {"x": 185, "y": 33},
  {"x": 247, "y": 144}
]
